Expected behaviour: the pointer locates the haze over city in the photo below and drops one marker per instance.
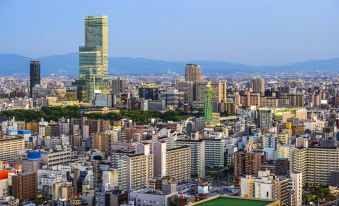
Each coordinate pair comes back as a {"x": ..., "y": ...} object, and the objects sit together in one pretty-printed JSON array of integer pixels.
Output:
[
  {"x": 249, "y": 32},
  {"x": 169, "y": 103}
]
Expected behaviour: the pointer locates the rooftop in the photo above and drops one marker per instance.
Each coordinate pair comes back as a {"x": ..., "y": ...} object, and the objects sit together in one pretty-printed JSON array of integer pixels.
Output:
[{"x": 231, "y": 201}]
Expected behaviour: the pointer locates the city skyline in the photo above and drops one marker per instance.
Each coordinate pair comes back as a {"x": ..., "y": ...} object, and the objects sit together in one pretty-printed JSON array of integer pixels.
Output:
[{"x": 276, "y": 34}]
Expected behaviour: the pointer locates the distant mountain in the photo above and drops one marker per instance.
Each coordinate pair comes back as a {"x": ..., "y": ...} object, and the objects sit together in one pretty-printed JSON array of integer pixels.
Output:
[{"x": 69, "y": 64}]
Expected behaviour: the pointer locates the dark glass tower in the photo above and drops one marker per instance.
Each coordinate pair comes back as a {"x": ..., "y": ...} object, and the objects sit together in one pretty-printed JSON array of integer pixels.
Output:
[{"x": 34, "y": 73}]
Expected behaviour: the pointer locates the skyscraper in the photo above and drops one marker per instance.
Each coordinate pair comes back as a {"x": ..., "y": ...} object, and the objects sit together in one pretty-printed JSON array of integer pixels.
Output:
[
  {"x": 93, "y": 57},
  {"x": 193, "y": 73},
  {"x": 34, "y": 74}
]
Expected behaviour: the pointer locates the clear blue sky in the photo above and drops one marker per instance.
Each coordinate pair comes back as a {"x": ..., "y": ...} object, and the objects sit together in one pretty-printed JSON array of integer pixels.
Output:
[{"x": 255, "y": 32}]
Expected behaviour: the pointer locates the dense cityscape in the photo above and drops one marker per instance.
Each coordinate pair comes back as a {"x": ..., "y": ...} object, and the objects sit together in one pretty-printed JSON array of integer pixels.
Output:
[{"x": 167, "y": 139}]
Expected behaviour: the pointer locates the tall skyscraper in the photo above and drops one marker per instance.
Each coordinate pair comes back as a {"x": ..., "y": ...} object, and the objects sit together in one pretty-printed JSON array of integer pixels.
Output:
[
  {"x": 34, "y": 74},
  {"x": 93, "y": 58},
  {"x": 193, "y": 73}
]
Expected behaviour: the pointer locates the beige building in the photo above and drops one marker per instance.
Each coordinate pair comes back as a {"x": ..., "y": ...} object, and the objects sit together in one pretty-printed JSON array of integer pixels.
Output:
[
  {"x": 56, "y": 157},
  {"x": 10, "y": 148},
  {"x": 174, "y": 163},
  {"x": 197, "y": 155},
  {"x": 193, "y": 73},
  {"x": 103, "y": 141},
  {"x": 315, "y": 163},
  {"x": 139, "y": 171}
]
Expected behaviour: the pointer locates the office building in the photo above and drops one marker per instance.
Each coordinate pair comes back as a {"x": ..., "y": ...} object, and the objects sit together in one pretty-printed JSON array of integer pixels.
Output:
[
  {"x": 193, "y": 73},
  {"x": 257, "y": 85},
  {"x": 219, "y": 89},
  {"x": 119, "y": 86},
  {"x": 149, "y": 91},
  {"x": 34, "y": 75},
  {"x": 173, "y": 98},
  {"x": 264, "y": 118},
  {"x": 55, "y": 157},
  {"x": 93, "y": 58}
]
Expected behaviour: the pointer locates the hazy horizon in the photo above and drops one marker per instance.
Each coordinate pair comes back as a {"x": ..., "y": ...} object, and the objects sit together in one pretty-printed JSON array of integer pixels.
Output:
[{"x": 245, "y": 32}]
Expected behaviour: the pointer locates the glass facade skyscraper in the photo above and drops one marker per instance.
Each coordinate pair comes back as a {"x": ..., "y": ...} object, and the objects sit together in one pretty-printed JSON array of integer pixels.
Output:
[
  {"x": 34, "y": 75},
  {"x": 93, "y": 58}
]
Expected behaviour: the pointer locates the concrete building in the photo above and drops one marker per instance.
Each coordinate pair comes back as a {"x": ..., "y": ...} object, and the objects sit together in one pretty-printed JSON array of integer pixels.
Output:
[
  {"x": 214, "y": 152},
  {"x": 102, "y": 142},
  {"x": 315, "y": 163},
  {"x": 55, "y": 157},
  {"x": 296, "y": 187},
  {"x": 173, "y": 98},
  {"x": 246, "y": 163},
  {"x": 119, "y": 86},
  {"x": 10, "y": 147},
  {"x": 24, "y": 186},
  {"x": 265, "y": 186},
  {"x": 257, "y": 85},
  {"x": 197, "y": 155},
  {"x": 174, "y": 163},
  {"x": 193, "y": 73}
]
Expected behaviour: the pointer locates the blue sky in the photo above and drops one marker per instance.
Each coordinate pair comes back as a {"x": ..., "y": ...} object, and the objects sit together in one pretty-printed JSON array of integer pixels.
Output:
[{"x": 255, "y": 32}]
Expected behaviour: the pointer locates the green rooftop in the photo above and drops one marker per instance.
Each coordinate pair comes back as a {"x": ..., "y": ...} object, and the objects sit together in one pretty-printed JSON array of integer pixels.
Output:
[{"x": 224, "y": 201}]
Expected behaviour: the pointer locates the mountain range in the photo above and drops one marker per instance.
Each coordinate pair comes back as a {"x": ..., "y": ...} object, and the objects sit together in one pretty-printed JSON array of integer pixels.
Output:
[{"x": 68, "y": 64}]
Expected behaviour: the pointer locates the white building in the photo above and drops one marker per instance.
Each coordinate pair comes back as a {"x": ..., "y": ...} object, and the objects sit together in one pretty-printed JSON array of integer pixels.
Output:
[{"x": 197, "y": 155}]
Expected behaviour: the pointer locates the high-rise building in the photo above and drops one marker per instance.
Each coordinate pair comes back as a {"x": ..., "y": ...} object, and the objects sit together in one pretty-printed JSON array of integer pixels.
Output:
[
  {"x": 24, "y": 186},
  {"x": 93, "y": 58},
  {"x": 34, "y": 75},
  {"x": 265, "y": 117},
  {"x": 214, "y": 152},
  {"x": 246, "y": 163},
  {"x": 119, "y": 86},
  {"x": 102, "y": 141},
  {"x": 219, "y": 91},
  {"x": 11, "y": 147},
  {"x": 173, "y": 98},
  {"x": 296, "y": 100},
  {"x": 311, "y": 161},
  {"x": 197, "y": 155},
  {"x": 295, "y": 187},
  {"x": 174, "y": 163},
  {"x": 257, "y": 85},
  {"x": 139, "y": 170},
  {"x": 193, "y": 73},
  {"x": 149, "y": 91}
]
